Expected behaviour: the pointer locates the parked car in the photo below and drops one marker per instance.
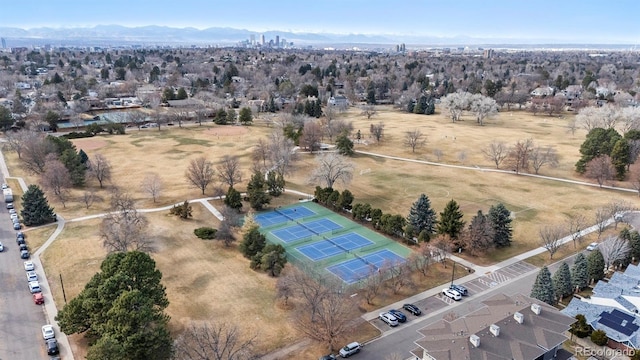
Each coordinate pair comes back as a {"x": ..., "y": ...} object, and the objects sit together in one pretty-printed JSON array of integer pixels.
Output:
[
  {"x": 459, "y": 288},
  {"x": 452, "y": 294},
  {"x": 20, "y": 241},
  {"x": 29, "y": 266},
  {"x": 23, "y": 246},
  {"x": 5, "y": 186},
  {"x": 398, "y": 315},
  {"x": 32, "y": 276},
  {"x": 24, "y": 254},
  {"x": 592, "y": 246},
  {"x": 19, "y": 235},
  {"x": 389, "y": 319},
  {"x": 9, "y": 205},
  {"x": 412, "y": 309},
  {"x": 34, "y": 287},
  {"x": 350, "y": 349},
  {"x": 38, "y": 298},
  {"x": 52, "y": 347},
  {"x": 17, "y": 226},
  {"x": 48, "y": 332},
  {"x": 328, "y": 357},
  {"x": 1, "y": 247},
  {"x": 13, "y": 216}
]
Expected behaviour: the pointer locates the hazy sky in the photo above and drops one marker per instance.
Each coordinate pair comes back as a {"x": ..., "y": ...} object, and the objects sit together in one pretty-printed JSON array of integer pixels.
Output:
[{"x": 590, "y": 21}]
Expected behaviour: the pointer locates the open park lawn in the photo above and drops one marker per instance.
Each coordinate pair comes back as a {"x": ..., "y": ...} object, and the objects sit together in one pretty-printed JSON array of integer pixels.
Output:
[{"x": 205, "y": 280}]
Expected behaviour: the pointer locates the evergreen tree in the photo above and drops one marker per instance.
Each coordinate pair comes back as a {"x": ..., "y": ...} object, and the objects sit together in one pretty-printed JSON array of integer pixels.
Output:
[
  {"x": 246, "y": 118},
  {"x": 417, "y": 108},
  {"x": 233, "y": 199},
  {"x": 253, "y": 242},
  {"x": 273, "y": 259},
  {"x": 272, "y": 105},
  {"x": 480, "y": 234},
  {"x": 221, "y": 117},
  {"x": 182, "y": 94},
  {"x": 579, "y": 273},
  {"x": 103, "y": 309},
  {"x": 451, "y": 222},
  {"x": 634, "y": 243},
  {"x": 345, "y": 200},
  {"x": 595, "y": 265},
  {"x": 620, "y": 155},
  {"x": 77, "y": 169},
  {"x": 543, "y": 288},
  {"x": 562, "y": 284},
  {"x": 421, "y": 216},
  {"x": 344, "y": 145},
  {"x": 275, "y": 183},
  {"x": 500, "y": 219},
  {"x": 256, "y": 192},
  {"x": 35, "y": 207},
  {"x": 599, "y": 142},
  {"x": 52, "y": 118},
  {"x": 231, "y": 116},
  {"x": 83, "y": 156},
  {"x": 6, "y": 119},
  {"x": 430, "y": 107}
]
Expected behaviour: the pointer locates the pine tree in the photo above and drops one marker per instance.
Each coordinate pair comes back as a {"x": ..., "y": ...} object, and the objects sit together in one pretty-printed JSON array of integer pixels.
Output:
[
  {"x": 480, "y": 234},
  {"x": 344, "y": 145},
  {"x": 253, "y": 242},
  {"x": 579, "y": 274},
  {"x": 73, "y": 162},
  {"x": 421, "y": 216},
  {"x": 595, "y": 265},
  {"x": 35, "y": 207},
  {"x": 246, "y": 117},
  {"x": 562, "y": 281},
  {"x": 451, "y": 222},
  {"x": 275, "y": 183},
  {"x": 256, "y": 192},
  {"x": 543, "y": 289},
  {"x": 233, "y": 199},
  {"x": 620, "y": 157},
  {"x": 500, "y": 219}
]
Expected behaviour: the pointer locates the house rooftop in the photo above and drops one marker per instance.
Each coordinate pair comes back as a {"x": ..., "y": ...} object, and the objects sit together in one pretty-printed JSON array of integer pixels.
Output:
[{"x": 537, "y": 334}]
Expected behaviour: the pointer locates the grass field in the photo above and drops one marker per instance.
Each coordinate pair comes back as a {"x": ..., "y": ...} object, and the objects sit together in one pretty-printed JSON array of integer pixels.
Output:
[{"x": 205, "y": 280}]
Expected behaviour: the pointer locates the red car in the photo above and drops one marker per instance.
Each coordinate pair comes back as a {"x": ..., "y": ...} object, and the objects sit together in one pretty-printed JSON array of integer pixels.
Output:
[{"x": 38, "y": 299}]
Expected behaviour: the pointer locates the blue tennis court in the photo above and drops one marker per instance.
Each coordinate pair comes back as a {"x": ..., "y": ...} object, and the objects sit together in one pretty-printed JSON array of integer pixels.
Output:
[
  {"x": 353, "y": 270},
  {"x": 330, "y": 247},
  {"x": 280, "y": 216},
  {"x": 305, "y": 230}
]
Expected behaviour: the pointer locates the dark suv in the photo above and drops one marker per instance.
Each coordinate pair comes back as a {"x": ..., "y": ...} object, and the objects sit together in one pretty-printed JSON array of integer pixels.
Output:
[
  {"x": 399, "y": 315},
  {"x": 412, "y": 309},
  {"x": 52, "y": 347},
  {"x": 459, "y": 288}
]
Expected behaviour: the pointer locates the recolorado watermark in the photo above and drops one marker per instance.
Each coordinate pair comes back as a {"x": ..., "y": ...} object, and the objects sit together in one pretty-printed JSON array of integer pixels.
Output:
[{"x": 605, "y": 352}]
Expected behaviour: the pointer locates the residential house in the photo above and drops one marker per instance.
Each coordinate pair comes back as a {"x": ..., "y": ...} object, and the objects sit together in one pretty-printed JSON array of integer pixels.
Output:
[
  {"x": 6, "y": 103},
  {"x": 339, "y": 101},
  {"x": 543, "y": 91},
  {"x": 503, "y": 327},
  {"x": 613, "y": 307}
]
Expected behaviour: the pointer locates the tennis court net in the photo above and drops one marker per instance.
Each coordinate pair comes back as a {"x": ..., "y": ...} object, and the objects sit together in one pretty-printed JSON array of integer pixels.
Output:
[
  {"x": 285, "y": 215},
  {"x": 366, "y": 261}
]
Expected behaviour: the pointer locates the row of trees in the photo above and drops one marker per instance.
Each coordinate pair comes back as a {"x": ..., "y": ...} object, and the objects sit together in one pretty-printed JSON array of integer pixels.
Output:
[
  {"x": 605, "y": 154},
  {"x": 521, "y": 156},
  {"x": 479, "y": 105}
]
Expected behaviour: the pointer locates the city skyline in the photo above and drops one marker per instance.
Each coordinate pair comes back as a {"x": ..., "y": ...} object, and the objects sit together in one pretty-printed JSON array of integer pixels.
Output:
[{"x": 543, "y": 21}]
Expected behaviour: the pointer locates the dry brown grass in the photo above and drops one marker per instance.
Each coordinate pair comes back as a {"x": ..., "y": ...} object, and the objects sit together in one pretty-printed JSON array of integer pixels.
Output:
[{"x": 205, "y": 280}]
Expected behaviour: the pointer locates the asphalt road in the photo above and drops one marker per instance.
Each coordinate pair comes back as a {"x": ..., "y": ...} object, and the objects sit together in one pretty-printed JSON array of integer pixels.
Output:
[
  {"x": 20, "y": 319},
  {"x": 400, "y": 341}
]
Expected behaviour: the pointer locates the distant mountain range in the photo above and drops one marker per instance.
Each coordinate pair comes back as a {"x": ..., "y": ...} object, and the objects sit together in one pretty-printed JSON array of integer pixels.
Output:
[{"x": 113, "y": 35}]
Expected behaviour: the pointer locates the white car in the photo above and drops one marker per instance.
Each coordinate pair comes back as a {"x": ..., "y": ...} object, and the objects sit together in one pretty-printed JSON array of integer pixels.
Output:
[
  {"x": 29, "y": 266},
  {"x": 592, "y": 246},
  {"x": 48, "y": 332},
  {"x": 12, "y": 211},
  {"x": 5, "y": 186},
  {"x": 32, "y": 276},
  {"x": 34, "y": 287},
  {"x": 14, "y": 216},
  {"x": 452, "y": 294},
  {"x": 350, "y": 349},
  {"x": 1, "y": 247},
  {"x": 389, "y": 319}
]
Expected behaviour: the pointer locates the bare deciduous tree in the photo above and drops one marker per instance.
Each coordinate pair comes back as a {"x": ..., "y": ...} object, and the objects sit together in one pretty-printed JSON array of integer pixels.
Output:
[
  {"x": 543, "y": 156},
  {"x": 230, "y": 220},
  {"x": 438, "y": 154},
  {"x": 601, "y": 216},
  {"x": 575, "y": 225},
  {"x": 260, "y": 153},
  {"x": 519, "y": 155},
  {"x": 617, "y": 210},
  {"x": 35, "y": 151},
  {"x": 89, "y": 197},
  {"x": 17, "y": 140},
  {"x": 601, "y": 169},
  {"x": 100, "y": 168},
  {"x": 124, "y": 228},
  {"x": 371, "y": 284},
  {"x": 550, "y": 238},
  {"x": 229, "y": 170},
  {"x": 414, "y": 139},
  {"x": 377, "y": 131},
  {"x": 56, "y": 179},
  {"x": 497, "y": 152},
  {"x": 482, "y": 107},
  {"x": 137, "y": 118},
  {"x": 368, "y": 110},
  {"x": 422, "y": 259},
  {"x": 332, "y": 168},
  {"x": 311, "y": 138},
  {"x": 282, "y": 154},
  {"x": 398, "y": 276},
  {"x": 152, "y": 185},
  {"x": 200, "y": 173},
  {"x": 213, "y": 340},
  {"x": 613, "y": 249}
]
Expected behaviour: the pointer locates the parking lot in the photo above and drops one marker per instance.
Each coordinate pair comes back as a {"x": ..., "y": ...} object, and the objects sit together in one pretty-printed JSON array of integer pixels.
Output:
[{"x": 436, "y": 302}]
